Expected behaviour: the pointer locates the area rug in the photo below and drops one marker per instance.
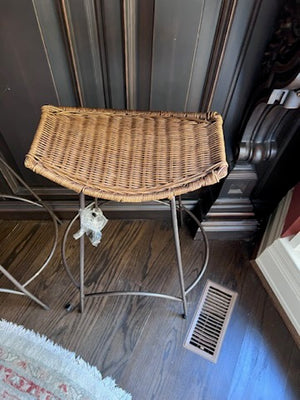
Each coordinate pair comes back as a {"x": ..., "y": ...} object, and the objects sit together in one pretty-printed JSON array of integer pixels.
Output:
[{"x": 33, "y": 367}]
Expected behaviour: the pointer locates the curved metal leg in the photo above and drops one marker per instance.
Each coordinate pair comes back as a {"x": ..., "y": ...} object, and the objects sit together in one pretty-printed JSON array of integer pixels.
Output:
[
  {"x": 63, "y": 252},
  {"x": 81, "y": 265},
  {"x": 40, "y": 201},
  {"x": 178, "y": 254},
  {"x": 55, "y": 220},
  {"x": 206, "y": 252},
  {"x": 180, "y": 209},
  {"x": 206, "y": 246},
  {"x": 22, "y": 288}
]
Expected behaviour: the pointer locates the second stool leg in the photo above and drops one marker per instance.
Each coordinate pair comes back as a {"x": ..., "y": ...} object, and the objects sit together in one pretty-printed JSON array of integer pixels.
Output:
[
  {"x": 180, "y": 214},
  {"x": 22, "y": 288},
  {"x": 81, "y": 265},
  {"x": 178, "y": 254}
]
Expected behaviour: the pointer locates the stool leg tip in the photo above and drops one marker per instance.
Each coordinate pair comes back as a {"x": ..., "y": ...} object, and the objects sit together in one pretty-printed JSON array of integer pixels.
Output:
[{"x": 69, "y": 307}]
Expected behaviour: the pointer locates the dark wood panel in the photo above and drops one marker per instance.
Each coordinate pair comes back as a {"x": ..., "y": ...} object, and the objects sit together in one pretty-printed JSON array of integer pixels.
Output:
[
  {"x": 235, "y": 45},
  {"x": 110, "y": 29},
  {"x": 203, "y": 63},
  {"x": 139, "y": 341},
  {"x": 80, "y": 19},
  {"x": 25, "y": 70},
  {"x": 55, "y": 45},
  {"x": 174, "y": 36},
  {"x": 145, "y": 20}
]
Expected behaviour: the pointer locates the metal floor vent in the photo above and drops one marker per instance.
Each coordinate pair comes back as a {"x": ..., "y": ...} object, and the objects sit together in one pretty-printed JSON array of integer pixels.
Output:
[{"x": 210, "y": 321}]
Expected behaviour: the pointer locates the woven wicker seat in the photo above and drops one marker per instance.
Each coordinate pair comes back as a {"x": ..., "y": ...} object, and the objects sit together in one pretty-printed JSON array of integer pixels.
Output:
[{"x": 128, "y": 155}]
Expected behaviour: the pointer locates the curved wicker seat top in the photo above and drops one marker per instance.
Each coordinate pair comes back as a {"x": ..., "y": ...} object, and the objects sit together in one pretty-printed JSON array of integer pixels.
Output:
[{"x": 129, "y": 156}]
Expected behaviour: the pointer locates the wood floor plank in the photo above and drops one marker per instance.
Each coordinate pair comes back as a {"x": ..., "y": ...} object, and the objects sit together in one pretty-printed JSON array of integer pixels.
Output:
[{"x": 139, "y": 341}]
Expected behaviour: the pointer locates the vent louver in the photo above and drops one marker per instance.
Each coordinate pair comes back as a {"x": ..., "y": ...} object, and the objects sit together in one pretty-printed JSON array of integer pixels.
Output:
[{"x": 210, "y": 321}]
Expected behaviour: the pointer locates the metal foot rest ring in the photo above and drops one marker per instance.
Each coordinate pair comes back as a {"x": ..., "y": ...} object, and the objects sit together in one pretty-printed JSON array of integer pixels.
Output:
[{"x": 185, "y": 291}]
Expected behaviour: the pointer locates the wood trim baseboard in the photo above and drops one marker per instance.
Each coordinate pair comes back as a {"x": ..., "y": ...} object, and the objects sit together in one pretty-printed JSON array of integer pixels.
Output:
[
  {"x": 66, "y": 209},
  {"x": 224, "y": 227}
]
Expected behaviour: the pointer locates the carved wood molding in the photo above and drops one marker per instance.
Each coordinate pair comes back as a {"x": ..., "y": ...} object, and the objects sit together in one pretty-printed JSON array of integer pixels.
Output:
[
  {"x": 281, "y": 62},
  {"x": 259, "y": 139},
  {"x": 266, "y": 131}
]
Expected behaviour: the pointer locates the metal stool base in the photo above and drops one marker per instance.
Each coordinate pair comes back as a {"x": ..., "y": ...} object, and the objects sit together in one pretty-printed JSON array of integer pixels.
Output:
[
  {"x": 22, "y": 290},
  {"x": 184, "y": 291}
]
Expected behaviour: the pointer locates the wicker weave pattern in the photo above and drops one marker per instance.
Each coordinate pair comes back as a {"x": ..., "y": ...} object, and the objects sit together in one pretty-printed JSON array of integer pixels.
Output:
[{"x": 128, "y": 155}]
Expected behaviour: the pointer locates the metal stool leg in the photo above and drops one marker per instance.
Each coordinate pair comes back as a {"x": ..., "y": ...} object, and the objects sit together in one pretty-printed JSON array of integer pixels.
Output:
[
  {"x": 180, "y": 215},
  {"x": 38, "y": 203},
  {"x": 178, "y": 254},
  {"x": 22, "y": 289},
  {"x": 81, "y": 278}
]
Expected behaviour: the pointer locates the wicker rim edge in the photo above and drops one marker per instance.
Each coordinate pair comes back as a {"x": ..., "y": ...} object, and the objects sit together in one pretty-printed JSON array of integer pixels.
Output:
[
  {"x": 217, "y": 172},
  {"x": 197, "y": 116}
]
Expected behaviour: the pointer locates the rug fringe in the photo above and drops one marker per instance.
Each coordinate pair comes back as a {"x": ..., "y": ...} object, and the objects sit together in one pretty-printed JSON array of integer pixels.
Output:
[{"x": 73, "y": 366}]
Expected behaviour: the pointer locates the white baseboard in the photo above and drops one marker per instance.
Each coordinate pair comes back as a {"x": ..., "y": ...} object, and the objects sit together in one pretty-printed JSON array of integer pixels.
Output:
[
  {"x": 280, "y": 265},
  {"x": 276, "y": 222}
]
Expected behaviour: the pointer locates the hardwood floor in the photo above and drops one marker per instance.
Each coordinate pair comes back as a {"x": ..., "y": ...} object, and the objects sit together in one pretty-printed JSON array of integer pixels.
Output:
[{"x": 139, "y": 341}]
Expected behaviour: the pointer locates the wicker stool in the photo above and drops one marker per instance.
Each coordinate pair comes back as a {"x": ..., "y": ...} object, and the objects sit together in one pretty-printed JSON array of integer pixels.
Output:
[{"x": 129, "y": 156}]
